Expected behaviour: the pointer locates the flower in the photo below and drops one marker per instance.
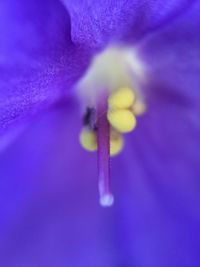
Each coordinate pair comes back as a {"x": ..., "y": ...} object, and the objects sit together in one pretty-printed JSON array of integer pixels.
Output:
[{"x": 50, "y": 215}]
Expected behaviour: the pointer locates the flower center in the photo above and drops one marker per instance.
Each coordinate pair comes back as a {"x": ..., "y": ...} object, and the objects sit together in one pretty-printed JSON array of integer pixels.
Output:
[{"x": 111, "y": 100}]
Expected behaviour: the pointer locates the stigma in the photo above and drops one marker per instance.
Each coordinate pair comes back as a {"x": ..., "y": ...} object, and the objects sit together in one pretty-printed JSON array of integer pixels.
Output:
[{"x": 111, "y": 101}]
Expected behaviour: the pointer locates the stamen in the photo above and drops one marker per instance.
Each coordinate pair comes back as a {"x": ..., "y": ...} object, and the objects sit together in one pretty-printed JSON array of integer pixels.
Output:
[
  {"x": 116, "y": 143},
  {"x": 112, "y": 112},
  {"x": 121, "y": 98},
  {"x": 139, "y": 108},
  {"x": 103, "y": 140},
  {"x": 122, "y": 120},
  {"x": 88, "y": 139}
]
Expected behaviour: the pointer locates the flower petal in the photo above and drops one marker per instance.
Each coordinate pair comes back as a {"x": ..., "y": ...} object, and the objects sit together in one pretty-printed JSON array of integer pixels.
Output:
[
  {"x": 95, "y": 23},
  {"x": 38, "y": 62},
  {"x": 49, "y": 207},
  {"x": 157, "y": 191},
  {"x": 172, "y": 56}
]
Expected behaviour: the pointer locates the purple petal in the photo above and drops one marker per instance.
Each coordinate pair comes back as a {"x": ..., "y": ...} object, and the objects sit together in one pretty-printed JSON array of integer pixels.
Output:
[
  {"x": 95, "y": 23},
  {"x": 49, "y": 198},
  {"x": 156, "y": 184},
  {"x": 38, "y": 62},
  {"x": 155, "y": 221},
  {"x": 172, "y": 59},
  {"x": 157, "y": 195}
]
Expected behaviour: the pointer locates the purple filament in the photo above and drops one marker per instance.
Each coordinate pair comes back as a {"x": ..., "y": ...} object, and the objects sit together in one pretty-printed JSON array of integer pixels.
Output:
[{"x": 103, "y": 138}]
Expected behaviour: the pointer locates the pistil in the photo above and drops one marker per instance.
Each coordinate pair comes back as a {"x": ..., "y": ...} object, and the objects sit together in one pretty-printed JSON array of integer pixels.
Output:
[{"x": 103, "y": 141}]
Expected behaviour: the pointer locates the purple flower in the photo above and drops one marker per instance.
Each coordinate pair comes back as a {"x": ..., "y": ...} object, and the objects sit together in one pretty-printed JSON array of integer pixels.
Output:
[{"x": 49, "y": 208}]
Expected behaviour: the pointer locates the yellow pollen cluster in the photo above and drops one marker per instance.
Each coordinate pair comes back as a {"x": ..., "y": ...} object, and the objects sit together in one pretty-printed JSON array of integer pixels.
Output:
[
  {"x": 122, "y": 120},
  {"x": 121, "y": 98},
  {"x": 122, "y": 108},
  {"x": 116, "y": 143},
  {"x": 120, "y": 115},
  {"x": 88, "y": 140}
]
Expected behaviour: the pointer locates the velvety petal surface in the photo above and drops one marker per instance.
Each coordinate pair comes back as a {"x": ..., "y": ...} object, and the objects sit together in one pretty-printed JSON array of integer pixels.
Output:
[
  {"x": 95, "y": 23},
  {"x": 49, "y": 208},
  {"x": 158, "y": 194},
  {"x": 157, "y": 191},
  {"x": 49, "y": 200},
  {"x": 38, "y": 62},
  {"x": 50, "y": 215}
]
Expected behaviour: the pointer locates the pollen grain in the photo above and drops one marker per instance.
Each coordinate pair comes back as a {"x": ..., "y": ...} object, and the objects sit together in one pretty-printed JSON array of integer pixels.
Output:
[
  {"x": 88, "y": 139},
  {"x": 138, "y": 108},
  {"x": 121, "y": 98},
  {"x": 116, "y": 143},
  {"x": 122, "y": 120}
]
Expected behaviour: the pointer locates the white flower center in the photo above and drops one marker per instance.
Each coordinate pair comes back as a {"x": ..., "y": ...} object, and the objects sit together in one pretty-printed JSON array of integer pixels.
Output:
[{"x": 113, "y": 68}]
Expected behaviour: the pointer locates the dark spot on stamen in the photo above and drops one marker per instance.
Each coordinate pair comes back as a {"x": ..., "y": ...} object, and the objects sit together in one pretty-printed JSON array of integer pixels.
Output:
[{"x": 90, "y": 118}]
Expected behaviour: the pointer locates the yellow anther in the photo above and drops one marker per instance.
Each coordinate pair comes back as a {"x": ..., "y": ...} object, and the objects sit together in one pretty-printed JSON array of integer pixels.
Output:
[
  {"x": 122, "y": 120},
  {"x": 116, "y": 143},
  {"x": 139, "y": 108},
  {"x": 88, "y": 139},
  {"x": 121, "y": 98}
]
